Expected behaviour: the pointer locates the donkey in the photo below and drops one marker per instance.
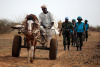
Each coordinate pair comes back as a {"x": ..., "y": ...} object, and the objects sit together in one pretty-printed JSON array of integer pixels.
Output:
[{"x": 31, "y": 33}]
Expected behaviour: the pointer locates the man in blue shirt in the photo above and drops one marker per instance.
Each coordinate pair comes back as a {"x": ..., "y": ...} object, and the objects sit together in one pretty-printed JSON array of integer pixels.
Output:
[
  {"x": 73, "y": 32},
  {"x": 80, "y": 30},
  {"x": 86, "y": 29}
]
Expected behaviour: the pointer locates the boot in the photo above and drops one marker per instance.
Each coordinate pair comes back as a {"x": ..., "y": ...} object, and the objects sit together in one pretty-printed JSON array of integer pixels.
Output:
[
  {"x": 68, "y": 47},
  {"x": 77, "y": 48},
  {"x": 64, "y": 47},
  {"x": 80, "y": 48}
]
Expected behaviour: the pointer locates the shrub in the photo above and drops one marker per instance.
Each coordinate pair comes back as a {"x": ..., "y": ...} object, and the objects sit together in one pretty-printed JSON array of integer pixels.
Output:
[
  {"x": 94, "y": 28},
  {"x": 5, "y": 26}
]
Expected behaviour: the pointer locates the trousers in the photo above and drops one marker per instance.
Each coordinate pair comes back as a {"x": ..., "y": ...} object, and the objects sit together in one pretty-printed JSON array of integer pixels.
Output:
[{"x": 66, "y": 39}]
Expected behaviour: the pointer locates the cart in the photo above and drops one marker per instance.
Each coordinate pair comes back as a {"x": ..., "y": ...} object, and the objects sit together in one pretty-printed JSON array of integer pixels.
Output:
[{"x": 17, "y": 45}]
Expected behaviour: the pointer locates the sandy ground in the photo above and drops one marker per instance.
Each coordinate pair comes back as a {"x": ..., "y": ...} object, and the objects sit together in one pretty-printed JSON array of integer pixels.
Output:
[{"x": 88, "y": 57}]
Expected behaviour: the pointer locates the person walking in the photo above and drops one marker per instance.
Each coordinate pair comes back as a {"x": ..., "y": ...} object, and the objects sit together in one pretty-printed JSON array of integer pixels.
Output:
[
  {"x": 86, "y": 29},
  {"x": 73, "y": 32},
  {"x": 66, "y": 27},
  {"x": 80, "y": 31}
]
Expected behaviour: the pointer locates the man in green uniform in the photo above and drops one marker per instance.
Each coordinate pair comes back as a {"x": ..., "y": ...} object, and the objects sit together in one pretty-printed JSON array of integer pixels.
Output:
[{"x": 66, "y": 27}]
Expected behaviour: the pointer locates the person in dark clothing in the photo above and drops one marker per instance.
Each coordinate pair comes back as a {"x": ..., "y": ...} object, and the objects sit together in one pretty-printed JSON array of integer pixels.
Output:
[{"x": 66, "y": 27}]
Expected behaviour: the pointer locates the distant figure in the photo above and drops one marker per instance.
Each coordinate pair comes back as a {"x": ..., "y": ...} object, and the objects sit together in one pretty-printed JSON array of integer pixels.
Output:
[
  {"x": 46, "y": 21},
  {"x": 73, "y": 32},
  {"x": 86, "y": 29},
  {"x": 66, "y": 27},
  {"x": 80, "y": 31}
]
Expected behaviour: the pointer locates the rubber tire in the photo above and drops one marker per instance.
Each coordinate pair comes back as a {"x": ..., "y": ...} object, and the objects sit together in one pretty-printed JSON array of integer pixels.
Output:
[
  {"x": 53, "y": 49},
  {"x": 16, "y": 47}
]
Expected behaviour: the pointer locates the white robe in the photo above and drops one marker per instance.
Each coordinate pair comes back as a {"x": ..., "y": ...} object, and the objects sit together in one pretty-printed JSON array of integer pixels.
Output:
[{"x": 46, "y": 19}]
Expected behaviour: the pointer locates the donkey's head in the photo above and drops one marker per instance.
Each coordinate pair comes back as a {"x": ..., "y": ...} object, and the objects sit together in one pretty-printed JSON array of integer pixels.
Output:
[{"x": 30, "y": 22}]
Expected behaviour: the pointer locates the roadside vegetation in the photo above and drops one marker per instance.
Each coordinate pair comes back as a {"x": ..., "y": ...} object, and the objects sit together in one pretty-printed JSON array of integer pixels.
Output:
[{"x": 5, "y": 26}]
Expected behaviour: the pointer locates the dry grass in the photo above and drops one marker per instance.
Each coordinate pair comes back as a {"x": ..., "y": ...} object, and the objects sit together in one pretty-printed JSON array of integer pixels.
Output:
[
  {"x": 5, "y": 26},
  {"x": 94, "y": 28},
  {"x": 6, "y": 41}
]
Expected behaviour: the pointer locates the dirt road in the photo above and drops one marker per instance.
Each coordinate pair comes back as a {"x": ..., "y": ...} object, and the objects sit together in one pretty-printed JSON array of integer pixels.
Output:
[{"x": 88, "y": 57}]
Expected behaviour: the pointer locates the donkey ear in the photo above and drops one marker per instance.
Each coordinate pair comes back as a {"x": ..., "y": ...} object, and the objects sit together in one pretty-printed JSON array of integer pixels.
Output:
[{"x": 27, "y": 16}]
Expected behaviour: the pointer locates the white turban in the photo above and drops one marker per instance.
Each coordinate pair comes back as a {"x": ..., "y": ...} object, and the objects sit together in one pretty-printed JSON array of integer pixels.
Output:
[{"x": 44, "y": 6}]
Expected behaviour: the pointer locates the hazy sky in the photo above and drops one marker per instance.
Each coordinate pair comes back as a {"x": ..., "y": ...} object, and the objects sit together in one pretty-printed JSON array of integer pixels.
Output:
[{"x": 16, "y": 10}]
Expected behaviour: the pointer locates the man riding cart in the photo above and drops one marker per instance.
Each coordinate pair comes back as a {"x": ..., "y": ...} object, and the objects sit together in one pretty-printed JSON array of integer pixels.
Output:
[
  {"x": 46, "y": 25},
  {"x": 34, "y": 32}
]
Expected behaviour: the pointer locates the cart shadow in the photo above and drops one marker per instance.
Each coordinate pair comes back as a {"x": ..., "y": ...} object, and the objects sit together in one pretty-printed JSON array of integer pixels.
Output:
[{"x": 9, "y": 57}]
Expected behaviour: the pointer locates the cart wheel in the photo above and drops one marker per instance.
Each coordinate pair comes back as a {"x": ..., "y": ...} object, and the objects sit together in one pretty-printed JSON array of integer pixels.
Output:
[
  {"x": 53, "y": 49},
  {"x": 16, "y": 47}
]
